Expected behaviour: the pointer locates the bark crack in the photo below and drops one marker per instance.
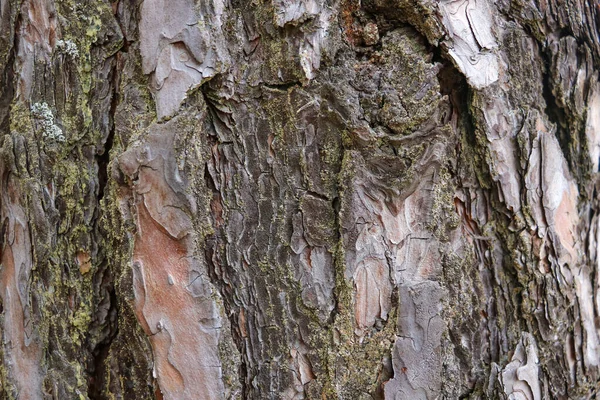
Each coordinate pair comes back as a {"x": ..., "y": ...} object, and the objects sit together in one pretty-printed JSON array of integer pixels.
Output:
[
  {"x": 7, "y": 88},
  {"x": 98, "y": 369}
]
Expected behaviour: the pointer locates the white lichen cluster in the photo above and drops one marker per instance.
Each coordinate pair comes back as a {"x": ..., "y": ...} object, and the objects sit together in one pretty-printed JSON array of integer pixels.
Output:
[
  {"x": 43, "y": 114},
  {"x": 67, "y": 47}
]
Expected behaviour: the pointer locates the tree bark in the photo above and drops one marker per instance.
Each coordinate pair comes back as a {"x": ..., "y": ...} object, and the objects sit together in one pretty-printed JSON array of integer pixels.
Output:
[{"x": 288, "y": 199}]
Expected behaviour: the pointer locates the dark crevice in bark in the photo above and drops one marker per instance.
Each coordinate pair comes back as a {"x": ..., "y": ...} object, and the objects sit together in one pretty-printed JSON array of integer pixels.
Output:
[
  {"x": 283, "y": 87},
  {"x": 101, "y": 352},
  {"x": 7, "y": 89},
  {"x": 336, "y": 204},
  {"x": 317, "y": 195},
  {"x": 98, "y": 373},
  {"x": 452, "y": 82},
  {"x": 454, "y": 85},
  {"x": 468, "y": 394},
  {"x": 104, "y": 159},
  {"x": 215, "y": 242},
  {"x": 573, "y": 143},
  {"x": 126, "y": 43},
  {"x": 555, "y": 113}
]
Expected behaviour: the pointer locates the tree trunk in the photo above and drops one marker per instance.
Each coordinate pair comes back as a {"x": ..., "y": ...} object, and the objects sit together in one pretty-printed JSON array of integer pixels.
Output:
[{"x": 288, "y": 199}]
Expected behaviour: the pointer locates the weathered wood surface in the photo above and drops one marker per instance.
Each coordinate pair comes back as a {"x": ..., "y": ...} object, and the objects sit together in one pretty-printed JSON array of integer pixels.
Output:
[{"x": 287, "y": 199}]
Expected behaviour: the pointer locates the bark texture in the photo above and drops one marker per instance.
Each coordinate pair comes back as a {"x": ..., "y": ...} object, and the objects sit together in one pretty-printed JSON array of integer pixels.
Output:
[{"x": 289, "y": 199}]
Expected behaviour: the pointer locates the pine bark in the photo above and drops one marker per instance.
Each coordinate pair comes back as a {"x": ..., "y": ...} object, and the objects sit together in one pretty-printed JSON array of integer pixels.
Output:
[{"x": 288, "y": 199}]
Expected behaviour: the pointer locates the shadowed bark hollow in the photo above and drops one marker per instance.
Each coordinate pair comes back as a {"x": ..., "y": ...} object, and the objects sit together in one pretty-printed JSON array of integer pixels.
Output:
[{"x": 290, "y": 199}]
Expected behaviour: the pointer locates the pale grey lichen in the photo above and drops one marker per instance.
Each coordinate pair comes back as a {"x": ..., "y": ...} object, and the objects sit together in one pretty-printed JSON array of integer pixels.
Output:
[
  {"x": 67, "y": 47},
  {"x": 44, "y": 116}
]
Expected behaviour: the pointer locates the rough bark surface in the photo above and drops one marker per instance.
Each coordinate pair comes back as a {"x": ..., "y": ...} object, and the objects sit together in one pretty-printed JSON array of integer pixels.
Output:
[{"x": 288, "y": 199}]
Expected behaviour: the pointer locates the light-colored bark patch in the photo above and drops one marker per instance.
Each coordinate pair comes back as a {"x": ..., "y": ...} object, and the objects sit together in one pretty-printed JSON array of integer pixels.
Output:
[
  {"x": 471, "y": 41},
  {"x": 181, "y": 47},
  {"x": 22, "y": 347}
]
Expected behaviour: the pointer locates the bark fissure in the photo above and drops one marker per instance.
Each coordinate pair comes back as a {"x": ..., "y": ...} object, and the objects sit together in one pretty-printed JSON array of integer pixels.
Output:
[
  {"x": 8, "y": 76},
  {"x": 104, "y": 158}
]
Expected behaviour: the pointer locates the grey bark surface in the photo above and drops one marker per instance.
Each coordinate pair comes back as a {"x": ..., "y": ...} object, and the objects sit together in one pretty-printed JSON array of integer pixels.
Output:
[{"x": 289, "y": 199}]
